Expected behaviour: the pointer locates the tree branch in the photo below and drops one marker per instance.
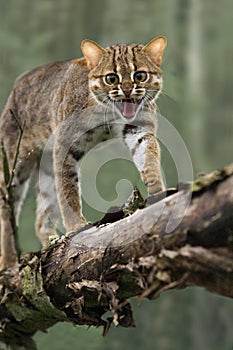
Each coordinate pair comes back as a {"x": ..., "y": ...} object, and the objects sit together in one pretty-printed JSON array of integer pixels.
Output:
[
  {"x": 80, "y": 277},
  {"x": 10, "y": 250}
]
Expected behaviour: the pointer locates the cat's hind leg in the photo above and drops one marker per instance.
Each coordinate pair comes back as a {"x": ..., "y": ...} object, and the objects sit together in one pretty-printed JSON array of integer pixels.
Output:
[{"x": 10, "y": 207}]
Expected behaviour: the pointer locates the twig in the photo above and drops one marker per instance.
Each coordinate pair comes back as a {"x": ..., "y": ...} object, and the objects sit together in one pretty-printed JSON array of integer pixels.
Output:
[
  {"x": 9, "y": 177},
  {"x": 21, "y": 130},
  {"x": 6, "y": 171}
]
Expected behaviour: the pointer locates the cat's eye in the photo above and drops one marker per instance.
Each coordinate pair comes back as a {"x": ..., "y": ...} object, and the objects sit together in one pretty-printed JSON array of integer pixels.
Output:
[
  {"x": 140, "y": 77},
  {"x": 112, "y": 79}
]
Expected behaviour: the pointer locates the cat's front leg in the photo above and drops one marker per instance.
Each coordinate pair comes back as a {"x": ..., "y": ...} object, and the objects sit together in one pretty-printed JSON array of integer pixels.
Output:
[
  {"x": 145, "y": 151},
  {"x": 68, "y": 190}
]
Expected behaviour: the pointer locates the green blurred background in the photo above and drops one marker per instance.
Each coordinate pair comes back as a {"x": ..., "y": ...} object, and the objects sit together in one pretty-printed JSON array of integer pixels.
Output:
[{"x": 197, "y": 100}]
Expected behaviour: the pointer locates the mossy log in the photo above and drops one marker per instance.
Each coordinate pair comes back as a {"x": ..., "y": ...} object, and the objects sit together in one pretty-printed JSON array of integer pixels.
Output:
[{"x": 80, "y": 277}]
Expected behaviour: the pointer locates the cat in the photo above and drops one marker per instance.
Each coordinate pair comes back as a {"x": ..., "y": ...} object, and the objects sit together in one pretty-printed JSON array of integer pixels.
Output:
[{"x": 73, "y": 101}]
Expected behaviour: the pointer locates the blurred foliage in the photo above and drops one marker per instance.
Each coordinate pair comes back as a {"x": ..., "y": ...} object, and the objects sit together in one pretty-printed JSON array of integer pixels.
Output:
[{"x": 197, "y": 100}]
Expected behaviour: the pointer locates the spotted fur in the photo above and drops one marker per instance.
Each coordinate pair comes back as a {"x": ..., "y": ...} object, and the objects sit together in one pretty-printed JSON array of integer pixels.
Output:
[{"x": 73, "y": 101}]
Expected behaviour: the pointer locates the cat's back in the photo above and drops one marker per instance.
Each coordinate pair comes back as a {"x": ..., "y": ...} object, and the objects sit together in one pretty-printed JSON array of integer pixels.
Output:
[{"x": 37, "y": 93}]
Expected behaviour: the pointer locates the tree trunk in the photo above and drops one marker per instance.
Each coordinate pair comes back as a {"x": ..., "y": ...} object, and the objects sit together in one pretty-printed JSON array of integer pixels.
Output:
[{"x": 82, "y": 276}]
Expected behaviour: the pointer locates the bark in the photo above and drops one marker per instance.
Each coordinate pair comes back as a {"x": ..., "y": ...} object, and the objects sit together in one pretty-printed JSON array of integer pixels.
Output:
[{"x": 80, "y": 277}]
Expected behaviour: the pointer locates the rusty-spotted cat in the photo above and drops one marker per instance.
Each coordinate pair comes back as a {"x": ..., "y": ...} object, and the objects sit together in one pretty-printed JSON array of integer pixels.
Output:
[{"x": 123, "y": 81}]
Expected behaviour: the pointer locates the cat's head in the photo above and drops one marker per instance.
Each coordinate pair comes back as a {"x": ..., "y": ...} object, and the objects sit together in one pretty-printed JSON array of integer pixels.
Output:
[{"x": 125, "y": 77}]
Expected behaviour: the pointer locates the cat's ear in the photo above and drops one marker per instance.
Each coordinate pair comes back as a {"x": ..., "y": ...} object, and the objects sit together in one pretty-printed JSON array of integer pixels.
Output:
[
  {"x": 92, "y": 52},
  {"x": 155, "y": 49}
]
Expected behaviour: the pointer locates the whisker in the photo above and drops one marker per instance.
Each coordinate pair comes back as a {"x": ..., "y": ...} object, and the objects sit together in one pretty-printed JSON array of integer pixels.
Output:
[
  {"x": 150, "y": 103},
  {"x": 106, "y": 122},
  {"x": 168, "y": 96},
  {"x": 115, "y": 109},
  {"x": 162, "y": 92}
]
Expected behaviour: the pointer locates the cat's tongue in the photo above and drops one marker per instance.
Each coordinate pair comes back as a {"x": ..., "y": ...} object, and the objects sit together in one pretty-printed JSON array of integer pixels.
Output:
[{"x": 129, "y": 108}]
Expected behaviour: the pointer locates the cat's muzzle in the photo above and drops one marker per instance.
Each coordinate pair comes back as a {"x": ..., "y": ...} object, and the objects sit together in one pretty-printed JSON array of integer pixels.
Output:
[{"x": 129, "y": 107}]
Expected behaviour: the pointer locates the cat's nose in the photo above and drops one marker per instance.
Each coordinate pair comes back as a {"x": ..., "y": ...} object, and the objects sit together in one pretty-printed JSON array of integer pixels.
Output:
[{"x": 127, "y": 91}]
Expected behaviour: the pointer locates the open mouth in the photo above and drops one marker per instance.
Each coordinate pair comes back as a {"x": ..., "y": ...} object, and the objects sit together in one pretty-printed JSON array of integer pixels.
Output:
[{"x": 129, "y": 107}]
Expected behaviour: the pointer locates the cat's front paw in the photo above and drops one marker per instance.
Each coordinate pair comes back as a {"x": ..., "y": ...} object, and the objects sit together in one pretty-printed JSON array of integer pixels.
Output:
[
  {"x": 153, "y": 183},
  {"x": 77, "y": 228}
]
